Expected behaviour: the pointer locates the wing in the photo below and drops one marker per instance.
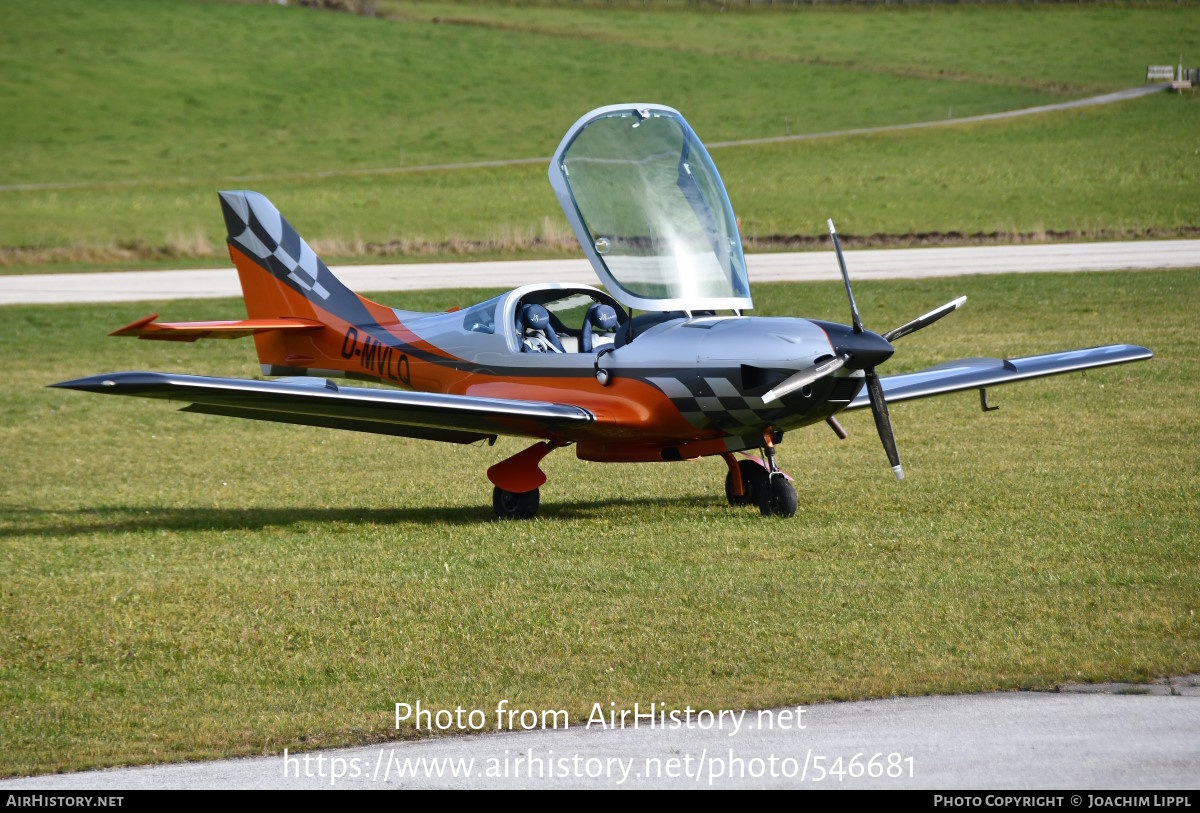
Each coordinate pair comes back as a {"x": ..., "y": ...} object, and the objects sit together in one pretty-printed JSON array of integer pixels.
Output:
[
  {"x": 970, "y": 374},
  {"x": 319, "y": 402}
]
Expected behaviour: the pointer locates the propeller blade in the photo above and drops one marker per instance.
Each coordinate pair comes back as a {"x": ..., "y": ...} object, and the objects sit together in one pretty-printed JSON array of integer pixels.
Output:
[
  {"x": 837, "y": 246},
  {"x": 924, "y": 321},
  {"x": 883, "y": 422},
  {"x": 803, "y": 378}
]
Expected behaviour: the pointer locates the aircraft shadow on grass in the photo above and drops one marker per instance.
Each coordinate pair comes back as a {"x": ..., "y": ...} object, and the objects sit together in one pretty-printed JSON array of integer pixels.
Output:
[{"x": 44, "y": 523}]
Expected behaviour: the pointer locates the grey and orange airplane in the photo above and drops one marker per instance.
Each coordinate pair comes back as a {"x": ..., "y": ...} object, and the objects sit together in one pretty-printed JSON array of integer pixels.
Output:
[{"x": 689, "y": 376}]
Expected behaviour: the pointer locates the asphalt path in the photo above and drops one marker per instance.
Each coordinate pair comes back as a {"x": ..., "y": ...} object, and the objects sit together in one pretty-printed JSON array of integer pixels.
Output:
[
  {"x": 1083, "y": 737},
  {"x": 867, "y": 264}
]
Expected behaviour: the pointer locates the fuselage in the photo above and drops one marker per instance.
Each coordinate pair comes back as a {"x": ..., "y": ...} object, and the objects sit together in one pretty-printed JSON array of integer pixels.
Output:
[{"x": 680, "y": 387}]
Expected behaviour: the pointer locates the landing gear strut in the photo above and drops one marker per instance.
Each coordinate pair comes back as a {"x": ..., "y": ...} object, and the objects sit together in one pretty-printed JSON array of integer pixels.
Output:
[{"x": 778, "y": 497}]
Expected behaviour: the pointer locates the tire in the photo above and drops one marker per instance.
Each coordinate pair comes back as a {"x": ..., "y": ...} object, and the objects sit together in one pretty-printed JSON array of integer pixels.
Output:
[
  {"x": 508, "y": 505},
  {"x": 778, "y": 498},
  {"x": 754, "y": 479}
]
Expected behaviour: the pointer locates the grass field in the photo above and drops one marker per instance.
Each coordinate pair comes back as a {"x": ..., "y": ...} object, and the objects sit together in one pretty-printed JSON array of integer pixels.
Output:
[
  {"x": 180, "y": 586},
  {"x": 143, "y": 104}
]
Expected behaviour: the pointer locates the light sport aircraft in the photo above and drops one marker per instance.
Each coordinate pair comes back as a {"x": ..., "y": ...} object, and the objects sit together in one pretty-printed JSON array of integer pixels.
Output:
[{"x": 688, "y": 377}]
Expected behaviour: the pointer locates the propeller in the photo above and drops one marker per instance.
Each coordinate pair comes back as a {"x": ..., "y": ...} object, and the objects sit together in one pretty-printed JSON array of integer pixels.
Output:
[{"x": 857, "y": 348}]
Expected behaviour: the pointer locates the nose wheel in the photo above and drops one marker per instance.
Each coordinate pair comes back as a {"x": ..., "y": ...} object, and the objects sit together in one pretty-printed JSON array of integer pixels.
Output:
[{"x": 778, "y": 498}]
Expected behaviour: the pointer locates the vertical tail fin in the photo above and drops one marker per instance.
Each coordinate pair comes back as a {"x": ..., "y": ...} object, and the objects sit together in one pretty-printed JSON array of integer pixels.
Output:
[{"x": 282, "y": 278}]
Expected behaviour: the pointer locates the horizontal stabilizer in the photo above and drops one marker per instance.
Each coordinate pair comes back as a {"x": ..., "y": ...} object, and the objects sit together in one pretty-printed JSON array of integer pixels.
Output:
[
  {"x": 318, "y": 402},
  {"x": 147, "y": 328},
  {"x": 970, "y": 374}
]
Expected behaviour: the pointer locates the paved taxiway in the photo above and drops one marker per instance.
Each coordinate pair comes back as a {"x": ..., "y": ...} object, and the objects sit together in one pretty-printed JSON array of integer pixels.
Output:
[
  {"x": 1082, "y": 737},
  {"x": 908, "y": 263}
]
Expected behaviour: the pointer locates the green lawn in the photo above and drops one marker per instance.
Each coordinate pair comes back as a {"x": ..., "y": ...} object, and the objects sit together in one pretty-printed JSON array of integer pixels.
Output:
[
  {"x": 181, "y": 586},
  {"x": 1090, "y": 173}
]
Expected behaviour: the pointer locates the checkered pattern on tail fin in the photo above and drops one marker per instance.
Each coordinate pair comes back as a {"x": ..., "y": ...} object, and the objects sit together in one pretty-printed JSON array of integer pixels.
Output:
[{"x": 256, "y": 227}]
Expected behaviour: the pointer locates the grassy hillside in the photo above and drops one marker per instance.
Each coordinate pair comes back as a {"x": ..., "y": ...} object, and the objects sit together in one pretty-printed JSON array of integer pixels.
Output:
[
  {"x": 135, "y": 112},
  {"x": 1051, "y": 47},
  {"x": 160, "y": 90}
]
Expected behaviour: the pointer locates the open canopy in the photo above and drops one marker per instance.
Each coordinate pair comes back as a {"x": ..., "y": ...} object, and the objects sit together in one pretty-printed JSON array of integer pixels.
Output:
[{"x": 650, "y": 211}]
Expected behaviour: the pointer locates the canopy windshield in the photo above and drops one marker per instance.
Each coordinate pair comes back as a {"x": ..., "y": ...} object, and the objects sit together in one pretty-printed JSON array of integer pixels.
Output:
[{"x": 650, "y": 211}]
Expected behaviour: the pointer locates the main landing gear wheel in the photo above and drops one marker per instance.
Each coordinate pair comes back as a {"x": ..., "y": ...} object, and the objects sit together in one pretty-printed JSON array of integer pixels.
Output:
[
  {"x": 754, "y": 480},
  {"x": 777, "y": 497},
  {"x": 522, "y": 506}
]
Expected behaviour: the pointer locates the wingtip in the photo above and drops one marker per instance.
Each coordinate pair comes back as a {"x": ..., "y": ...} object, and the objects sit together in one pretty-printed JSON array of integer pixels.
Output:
[
  {"x": 118, "y": 383},
  {"x": 91, "y": 383}
]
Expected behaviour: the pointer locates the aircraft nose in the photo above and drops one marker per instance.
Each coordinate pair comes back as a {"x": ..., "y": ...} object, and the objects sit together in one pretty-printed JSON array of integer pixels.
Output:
[{"x": 866, "y": 349}]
